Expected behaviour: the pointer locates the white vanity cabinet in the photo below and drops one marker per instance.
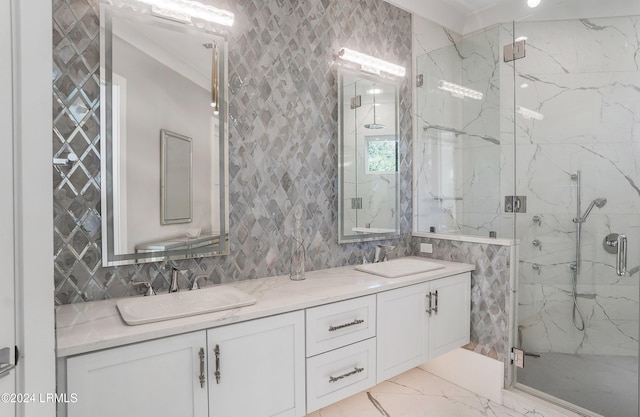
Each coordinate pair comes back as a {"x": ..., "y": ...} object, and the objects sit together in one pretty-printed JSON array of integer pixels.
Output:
[
  {"x": 419, "y": 322},
  {"x": 265, "y": 364},
  {"x": 256, "y": 368},
  {"x": 341, "y": 350},
  {"x": 450, "y": 323},
  {"x": 155, "y": 379}
]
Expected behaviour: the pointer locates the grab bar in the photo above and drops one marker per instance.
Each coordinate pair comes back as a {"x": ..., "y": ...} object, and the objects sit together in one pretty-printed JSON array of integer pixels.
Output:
[
  {"x": 621, "y": 256},
  {"x": 617, "y": 243}
]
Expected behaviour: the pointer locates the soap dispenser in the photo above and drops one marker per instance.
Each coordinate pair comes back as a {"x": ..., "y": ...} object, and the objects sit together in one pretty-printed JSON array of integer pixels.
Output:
[{"x": 298, "y": 252}]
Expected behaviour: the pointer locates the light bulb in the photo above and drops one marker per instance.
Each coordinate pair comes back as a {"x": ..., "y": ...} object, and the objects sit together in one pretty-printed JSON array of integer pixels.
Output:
[{"x": 533, "y": 3}]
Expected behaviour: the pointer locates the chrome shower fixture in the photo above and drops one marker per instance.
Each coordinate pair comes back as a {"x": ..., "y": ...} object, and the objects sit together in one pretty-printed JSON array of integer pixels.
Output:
[
  {"x": 598, "y": 202},
  {"x": 374, "y": 125}
]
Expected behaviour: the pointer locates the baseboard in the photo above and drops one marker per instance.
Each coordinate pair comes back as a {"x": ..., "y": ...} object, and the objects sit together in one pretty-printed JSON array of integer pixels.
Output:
[{"x": 477, "y": 373}]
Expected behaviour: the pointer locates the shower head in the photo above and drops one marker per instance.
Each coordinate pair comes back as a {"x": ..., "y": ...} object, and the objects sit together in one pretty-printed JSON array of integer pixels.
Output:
[
  {"x": 598, "y": 202},
  {"x": 374, "y": 125}
]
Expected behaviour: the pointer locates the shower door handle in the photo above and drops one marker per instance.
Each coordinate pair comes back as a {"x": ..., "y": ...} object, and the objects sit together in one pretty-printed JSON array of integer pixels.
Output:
[{"x": 621, "y": 256}]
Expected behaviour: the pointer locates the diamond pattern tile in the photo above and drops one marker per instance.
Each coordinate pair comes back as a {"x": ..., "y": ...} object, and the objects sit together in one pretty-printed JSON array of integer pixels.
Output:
[{"x": 282, "y": 140}]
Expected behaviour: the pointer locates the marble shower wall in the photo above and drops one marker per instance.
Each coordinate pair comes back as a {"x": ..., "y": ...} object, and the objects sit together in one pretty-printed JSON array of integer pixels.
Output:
[
  {"x": 458, "y": 139},
  {"x": 282, "y": 139},
  {"x": 584, "y": 77}
]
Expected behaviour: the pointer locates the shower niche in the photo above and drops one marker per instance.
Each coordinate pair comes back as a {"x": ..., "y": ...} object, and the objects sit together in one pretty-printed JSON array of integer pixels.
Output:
[{"x": 368, "y": 157}]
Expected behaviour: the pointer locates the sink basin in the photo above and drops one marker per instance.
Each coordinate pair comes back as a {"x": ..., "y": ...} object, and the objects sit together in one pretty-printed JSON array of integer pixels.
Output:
[
  {"x": 399, "y": 267},
  {"x": 142, "y": 310}
]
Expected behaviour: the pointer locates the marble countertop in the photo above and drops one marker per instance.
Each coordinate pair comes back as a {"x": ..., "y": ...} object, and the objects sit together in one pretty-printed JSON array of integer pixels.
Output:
[{"x": 87, "y": 327}]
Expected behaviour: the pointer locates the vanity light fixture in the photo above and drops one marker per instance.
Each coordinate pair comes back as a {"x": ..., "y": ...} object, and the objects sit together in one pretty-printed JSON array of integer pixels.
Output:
[
  {"x": 370, "y": 63},
  {"x": 533, "y": 3},
  {"x": 459, "y": 91},
  {"x": 528, "y": 113},
  {"x": 185, "y": 9}
]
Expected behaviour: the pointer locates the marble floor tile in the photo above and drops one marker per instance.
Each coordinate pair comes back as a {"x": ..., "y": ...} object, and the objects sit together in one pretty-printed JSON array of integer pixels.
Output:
[
  {"x": 607, "y": 385},
  {"x": 416, "y": 393}
]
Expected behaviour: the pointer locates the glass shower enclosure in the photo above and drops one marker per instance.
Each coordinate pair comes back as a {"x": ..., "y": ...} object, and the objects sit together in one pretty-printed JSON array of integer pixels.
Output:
[
  {"x": 577, "y": 137},
  {"x": 545, "y": 149}
]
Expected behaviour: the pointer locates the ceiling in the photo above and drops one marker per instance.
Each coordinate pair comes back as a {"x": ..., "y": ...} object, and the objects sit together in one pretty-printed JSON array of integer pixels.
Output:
[{"x": 466, "y": 16}]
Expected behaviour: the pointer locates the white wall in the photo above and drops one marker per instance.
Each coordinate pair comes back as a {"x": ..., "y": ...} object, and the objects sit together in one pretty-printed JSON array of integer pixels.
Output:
[{"x": 33, "y": 202}]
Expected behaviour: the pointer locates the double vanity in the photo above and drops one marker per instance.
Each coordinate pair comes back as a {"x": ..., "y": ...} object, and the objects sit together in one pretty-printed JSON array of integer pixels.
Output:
[{"x": 301, "y": 346}]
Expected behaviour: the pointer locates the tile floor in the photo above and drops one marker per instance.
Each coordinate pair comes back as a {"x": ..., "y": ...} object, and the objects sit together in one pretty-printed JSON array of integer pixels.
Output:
[
  {"x": 416, "y": 393},
  {"x": 607, "y": 385}
]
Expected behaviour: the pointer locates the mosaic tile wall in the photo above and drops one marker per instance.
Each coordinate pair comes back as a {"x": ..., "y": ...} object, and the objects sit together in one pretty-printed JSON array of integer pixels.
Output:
[
  {"x": 489, "y": 290},
  {"x": 282, "y": 133}
]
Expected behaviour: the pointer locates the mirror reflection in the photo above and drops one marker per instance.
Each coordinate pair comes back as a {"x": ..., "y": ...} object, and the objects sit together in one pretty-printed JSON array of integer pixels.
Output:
[
  {"x": 176, "y": 197},
  {"x": 368, "y": 157},
  {"x": 164, "y": 149}
]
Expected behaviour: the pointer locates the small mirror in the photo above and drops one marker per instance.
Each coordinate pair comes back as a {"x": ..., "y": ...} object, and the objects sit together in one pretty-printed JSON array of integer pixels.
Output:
[
  {"x": 368, "y": 157},
  {"x": 175, "y": 181},
  {"x": 164, "y": 139}
]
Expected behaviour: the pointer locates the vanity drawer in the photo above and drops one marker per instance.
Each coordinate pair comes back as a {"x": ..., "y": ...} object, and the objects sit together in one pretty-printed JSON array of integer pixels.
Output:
[
  {"x": 338, "y": 374},
  {"x": 339, "y": 324}
]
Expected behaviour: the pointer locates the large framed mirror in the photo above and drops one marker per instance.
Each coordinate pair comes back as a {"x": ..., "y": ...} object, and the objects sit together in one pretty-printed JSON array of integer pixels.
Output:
[
  {"x": 164, "y": 139},
  {"x": 368, "y": 177}
]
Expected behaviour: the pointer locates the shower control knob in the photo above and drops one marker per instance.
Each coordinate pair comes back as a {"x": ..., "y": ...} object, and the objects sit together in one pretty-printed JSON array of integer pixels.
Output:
[
  {"x": 537, "y": 244},
  {"x": 536, "y": 267},
  {"x": 537, "y": 219}
]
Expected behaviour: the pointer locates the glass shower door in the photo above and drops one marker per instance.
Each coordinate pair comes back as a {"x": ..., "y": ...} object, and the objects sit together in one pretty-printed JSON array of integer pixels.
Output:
[{"x": 576, "y": 118}]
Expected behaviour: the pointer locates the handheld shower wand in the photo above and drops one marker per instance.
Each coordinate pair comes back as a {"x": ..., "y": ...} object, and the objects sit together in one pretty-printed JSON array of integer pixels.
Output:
[{"x": 598, "y": 202}]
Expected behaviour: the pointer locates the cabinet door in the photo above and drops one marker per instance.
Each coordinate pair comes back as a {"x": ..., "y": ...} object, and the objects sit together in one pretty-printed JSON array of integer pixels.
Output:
[
  {"x": 449, "y": 326},
  {"x": 150, "y": 379},
  {"x": 256, "y": 368},
  {"x": 402, "y": 330}
]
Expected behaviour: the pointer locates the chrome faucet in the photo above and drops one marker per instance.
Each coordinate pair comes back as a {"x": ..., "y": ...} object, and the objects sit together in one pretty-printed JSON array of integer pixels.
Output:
[
  {"x": 195, "y": 285},
  {"x": 147, "y": 285},
  {"x": 175, "y": 274},
  {"x": 382, "y": 253}
]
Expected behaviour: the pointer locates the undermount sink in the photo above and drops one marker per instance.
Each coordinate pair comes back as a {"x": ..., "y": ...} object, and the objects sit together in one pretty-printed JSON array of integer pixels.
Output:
[
  {"x": 399, "y": 267},
  {"x": 150, "y": 309}
]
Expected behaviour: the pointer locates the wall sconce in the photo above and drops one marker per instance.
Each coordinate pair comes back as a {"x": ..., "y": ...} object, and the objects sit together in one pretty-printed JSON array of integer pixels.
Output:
[
  {"x": 371, "y": 64},
  {"x": 459, "y": 91},
  {"x": 185, "y": 9},
  {"x": 529, "y": 114}
]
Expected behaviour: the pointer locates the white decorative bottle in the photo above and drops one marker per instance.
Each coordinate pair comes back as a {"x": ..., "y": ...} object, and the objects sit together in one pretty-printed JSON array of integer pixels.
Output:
[{"x": 298, "y": 252}]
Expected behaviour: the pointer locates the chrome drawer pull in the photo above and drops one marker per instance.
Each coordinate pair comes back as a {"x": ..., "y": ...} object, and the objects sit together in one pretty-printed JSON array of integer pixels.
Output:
[
  {"x": 342, "y": 326},
  {"x": 203, "y": 379},
  {"x": 217, "y": 372},
  {"x": 338, "y": 378}
]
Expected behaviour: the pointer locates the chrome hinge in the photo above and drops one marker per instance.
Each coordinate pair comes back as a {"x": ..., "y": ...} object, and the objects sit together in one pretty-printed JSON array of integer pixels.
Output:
[
  {"x": 356, "y": 203},
  {"x": 419, "y": 80},
  {"x": 513, "y": 51},
  {"x": 356, "y": 102},
  {"x": 515, "y": 204},
  {"x": 5, "y": 360},
  {"x": 517, "y": 357}
]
